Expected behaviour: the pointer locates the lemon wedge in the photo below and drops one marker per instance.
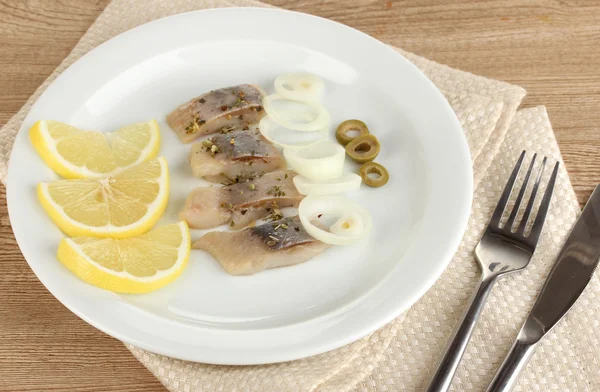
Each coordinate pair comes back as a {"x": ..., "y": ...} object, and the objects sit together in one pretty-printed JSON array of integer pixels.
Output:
[
  {"x": 122, "y": 205},
  {"x": 133, "y": 265},
  {"x": 75, "y": 153}
]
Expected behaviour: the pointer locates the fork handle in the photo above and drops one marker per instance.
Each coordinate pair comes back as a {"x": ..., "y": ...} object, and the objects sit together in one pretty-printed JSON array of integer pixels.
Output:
[
  {"x": 513, "y": 365},
  {"x": 456, "y": 347}
]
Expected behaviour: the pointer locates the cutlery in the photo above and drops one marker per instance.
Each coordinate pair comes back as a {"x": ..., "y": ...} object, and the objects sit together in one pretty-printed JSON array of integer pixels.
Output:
[
  {"x": 501, "y": 251},
  {"x": 568, "y": 278}
]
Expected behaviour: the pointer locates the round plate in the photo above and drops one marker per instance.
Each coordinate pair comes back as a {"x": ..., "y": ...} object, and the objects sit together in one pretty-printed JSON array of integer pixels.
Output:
[{"x": 288, "y": 313}]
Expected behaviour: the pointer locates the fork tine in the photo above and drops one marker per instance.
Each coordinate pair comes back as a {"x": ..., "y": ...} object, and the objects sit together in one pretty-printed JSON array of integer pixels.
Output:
[
  {"x": 511, "y": 219},
  {"x": 495, "y": 221},
  {"x": 532, "y": 197},
  {"x": 536, "y": 230}
]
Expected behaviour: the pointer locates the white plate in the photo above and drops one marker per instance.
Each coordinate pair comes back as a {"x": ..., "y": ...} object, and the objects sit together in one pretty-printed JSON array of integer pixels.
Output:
[{"x": 288, "y": 313}]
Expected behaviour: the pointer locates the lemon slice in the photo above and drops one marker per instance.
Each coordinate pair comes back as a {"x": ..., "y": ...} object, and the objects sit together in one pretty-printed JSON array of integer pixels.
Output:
[
  {"x": 133, "y": 265},
  {"x": 75, "y": 153},
  {"x": 125, "y": 204}
]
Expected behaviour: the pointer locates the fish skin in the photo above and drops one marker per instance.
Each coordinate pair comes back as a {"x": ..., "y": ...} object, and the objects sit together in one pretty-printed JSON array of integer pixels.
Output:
[
  {"x": 253, "y": 249},
  {"x": 242, "y": 203},
  {"x": 250, "y": 155},
  {"x": 207, "y": 111}
]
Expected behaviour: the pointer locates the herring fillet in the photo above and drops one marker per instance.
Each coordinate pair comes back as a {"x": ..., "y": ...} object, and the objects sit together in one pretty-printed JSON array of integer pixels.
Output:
[
  {"x": 275, "y": 244},
  {"x": 234, "y": 155},
  {"x": 242, "y": 203},
  {"x": 229, "y": 107}
]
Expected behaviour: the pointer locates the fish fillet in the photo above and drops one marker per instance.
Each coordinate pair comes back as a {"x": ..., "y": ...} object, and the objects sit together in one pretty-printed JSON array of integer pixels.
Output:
[
  {"x": 231, "y": 108},
  {"x": 242, "y": 203},
  {"x": 276, "y": 244},
  {"x": 234, "y": 155}
]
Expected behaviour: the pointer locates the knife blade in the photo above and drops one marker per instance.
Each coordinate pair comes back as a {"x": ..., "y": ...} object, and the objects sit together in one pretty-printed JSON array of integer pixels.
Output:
[
  {"x": 571, "y": 273},
  {"x": 573, "y": 268}
]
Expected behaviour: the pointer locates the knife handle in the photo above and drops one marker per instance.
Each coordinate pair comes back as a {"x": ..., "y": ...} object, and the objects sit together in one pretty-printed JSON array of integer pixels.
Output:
[
  {"x": 444, "y": 374},
  {"x": 516, "y": 360}
]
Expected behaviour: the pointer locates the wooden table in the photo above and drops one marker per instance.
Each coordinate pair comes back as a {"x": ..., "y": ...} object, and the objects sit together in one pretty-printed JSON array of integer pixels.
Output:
[{"x": 551, "y": 48}]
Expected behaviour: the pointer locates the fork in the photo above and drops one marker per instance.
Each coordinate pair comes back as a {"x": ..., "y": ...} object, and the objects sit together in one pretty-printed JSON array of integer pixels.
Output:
[{"x": 500, "y": 251}]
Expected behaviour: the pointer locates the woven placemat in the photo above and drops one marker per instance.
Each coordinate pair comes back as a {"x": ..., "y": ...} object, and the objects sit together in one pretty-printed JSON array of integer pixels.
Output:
[{"x": 400, "y": 356}]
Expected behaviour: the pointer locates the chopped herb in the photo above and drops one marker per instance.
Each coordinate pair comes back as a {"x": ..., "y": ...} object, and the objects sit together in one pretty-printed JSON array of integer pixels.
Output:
[
  {"x": 224, "y": 107},
  {"x": 241, "y": 192},
  {"x": 232, "y": 141},
  {"x": 278, "y": 179},
  {"x": 286, "y": 176},
  {"x": 194, "y": 125},
  {"x": 275, "y": 213},
  {"x": 253, "y": 152},
  {"x": 284, "y": 226},
  {"x": 231, "y": 180},
  {"x": 227, "y": 129},
  {"x": 277, "y": 227},
  {"x": 239, "y": 102},
  {"x": 202, "y": 100},
  {"x": 250, "y": 163},
  {"x": 271, "y": 243},
  {"x": 232, "y": 224},
  {"x": 274, "y": 238},
  {"x": 252, "y": 187},
  {"x": 276, "y": 191}
]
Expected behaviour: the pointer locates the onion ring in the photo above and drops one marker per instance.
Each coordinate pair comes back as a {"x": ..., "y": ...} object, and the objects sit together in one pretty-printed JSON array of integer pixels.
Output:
[
  {"x": 300, "y": 86},
  {"x": 323, "y": 161},
  {"x": 344, "y": 183},
  {"x": 295, "y": 119},
  {"x": 267, "y": 125},
  {"x": 357, "y": 219}
]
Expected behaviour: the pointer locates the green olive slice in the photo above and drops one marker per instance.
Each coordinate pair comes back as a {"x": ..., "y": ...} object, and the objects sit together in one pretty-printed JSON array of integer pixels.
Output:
[
  {"x": 341, "y": 134},
  {"x": 363, "y": 149},
  {"x": 380, "y": 178}
]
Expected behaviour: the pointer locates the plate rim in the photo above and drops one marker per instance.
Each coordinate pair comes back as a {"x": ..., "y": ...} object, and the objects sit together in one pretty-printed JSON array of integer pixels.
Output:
[{"x": 460, "y": 226}]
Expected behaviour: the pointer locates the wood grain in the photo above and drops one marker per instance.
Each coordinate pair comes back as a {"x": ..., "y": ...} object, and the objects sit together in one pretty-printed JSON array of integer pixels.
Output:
[{"x": 548, "y": 47}]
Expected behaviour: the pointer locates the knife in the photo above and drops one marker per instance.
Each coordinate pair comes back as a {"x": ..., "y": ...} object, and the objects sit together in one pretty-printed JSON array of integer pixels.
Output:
[{"x": 570, "y": 274}]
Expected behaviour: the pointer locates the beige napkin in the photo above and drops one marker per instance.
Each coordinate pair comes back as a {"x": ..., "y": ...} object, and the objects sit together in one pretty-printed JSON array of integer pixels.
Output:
[{"x": 400, "y": 356}]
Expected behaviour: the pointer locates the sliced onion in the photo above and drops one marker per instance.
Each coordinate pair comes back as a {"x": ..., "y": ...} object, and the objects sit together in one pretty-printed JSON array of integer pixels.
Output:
[
  {"x": 344, "y": 183},
  {"x": 358, "y": 219},
  {"x": 296, "y": 115},
  {"x": 300, "y": 86},
  {"x": 286, "y": 138},
  {"x": 348, "y": 226},
  {"x": 323, "y": 161}
]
